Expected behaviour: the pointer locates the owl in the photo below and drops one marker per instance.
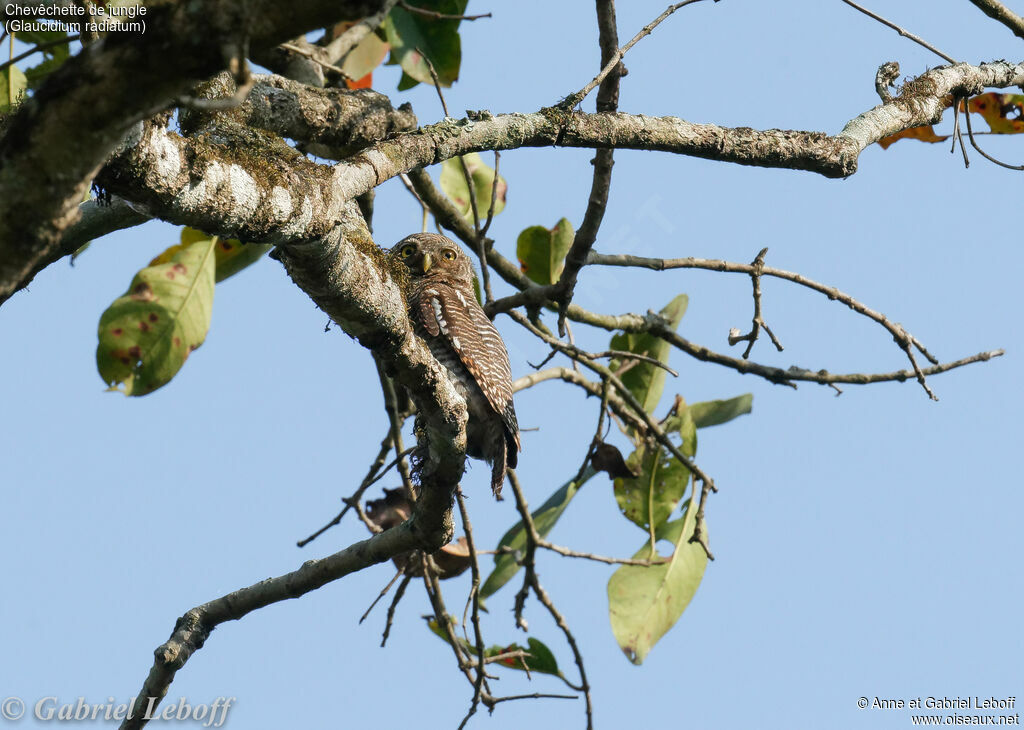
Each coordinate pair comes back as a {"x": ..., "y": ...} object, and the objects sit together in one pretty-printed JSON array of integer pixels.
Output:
[{"x": 447, "y": 316}]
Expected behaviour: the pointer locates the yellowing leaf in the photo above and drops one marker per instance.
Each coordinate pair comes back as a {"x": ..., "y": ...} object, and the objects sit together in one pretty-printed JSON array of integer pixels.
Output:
[
  {"x": 368, "y": 54},
  {"x": 12, "y": 86},
  {"x": 925, "y": 134},
  {"x": 453, "y": 183},
  {"x": 231, "y": 255},
  {"x": 1003, "y": 112},
  {"x": 146, "y": 335}
]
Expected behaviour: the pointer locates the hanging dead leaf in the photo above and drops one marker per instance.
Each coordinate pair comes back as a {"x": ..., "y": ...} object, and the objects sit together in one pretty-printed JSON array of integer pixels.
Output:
[
  {"x": 394, "y": 509},
  {"x": 1004, "y": 113},
  {"x": 608, "y": 458},
  {"x": 925, "y": 134}
]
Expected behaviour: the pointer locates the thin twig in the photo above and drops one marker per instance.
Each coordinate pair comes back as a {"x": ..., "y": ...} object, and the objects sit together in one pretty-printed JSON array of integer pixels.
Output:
[
  {"x": 314, "y": 57},
  {"x": 652, "y": 427},
  {"x": 36, "y": 49},
  {"x": 370, "y": 478},
  {"x": 618, "y": 406},
  {"x": 531, "y": 581},
  {"x": 895, "y": 329},
  {"x": 408, "y": 186},
  {"x": 474, "y": 598},
  {"x": 534, "y": 696},
  {"x": 597, "y": 200},
  {"x": 957, "y": 134},
  {"x": 906, "y": 34},
  {"x": 439, "y": 16},
  {"x": 399, "y": 592},
  {"x": 542, "y": 543},
  {"x": 974, "y": 144},
  {"x": 481, "y": 233},
  {"x": 700, "y": 535},
  {"x": 383, "y": 592},
  {"x": 573, "y": 99},
  {"x": 337, "y": 49},
  {"x": 758, "y": 322}
]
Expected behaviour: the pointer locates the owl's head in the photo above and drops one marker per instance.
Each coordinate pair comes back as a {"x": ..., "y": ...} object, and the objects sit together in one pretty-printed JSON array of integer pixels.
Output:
[{"x": 433, "y": 255}]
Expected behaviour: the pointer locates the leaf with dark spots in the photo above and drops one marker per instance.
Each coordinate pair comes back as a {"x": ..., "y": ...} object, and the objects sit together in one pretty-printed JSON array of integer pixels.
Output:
[
  {"x": 230, "y": 254},
  {"x": 168, "y": 305},
  {"x": 143, "y": 292}
]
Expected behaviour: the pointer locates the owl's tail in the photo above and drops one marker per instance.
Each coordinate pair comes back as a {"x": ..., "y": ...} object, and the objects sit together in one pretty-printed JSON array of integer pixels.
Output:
[{"x": 498, "y": 469}]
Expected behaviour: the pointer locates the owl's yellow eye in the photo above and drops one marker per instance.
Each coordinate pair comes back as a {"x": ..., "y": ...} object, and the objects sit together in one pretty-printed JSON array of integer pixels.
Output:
[
  {"x": 407, "y": 251},
  {"x": 448, "y": 254}
]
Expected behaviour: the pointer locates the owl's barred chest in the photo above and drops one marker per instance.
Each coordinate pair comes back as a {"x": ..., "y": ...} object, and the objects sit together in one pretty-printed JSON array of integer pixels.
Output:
[{"x": 444, "y": 354}]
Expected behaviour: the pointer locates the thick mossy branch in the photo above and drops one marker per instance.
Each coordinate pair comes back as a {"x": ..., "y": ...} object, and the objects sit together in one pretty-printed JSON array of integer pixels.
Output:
[{"x": 57, "y": 140}]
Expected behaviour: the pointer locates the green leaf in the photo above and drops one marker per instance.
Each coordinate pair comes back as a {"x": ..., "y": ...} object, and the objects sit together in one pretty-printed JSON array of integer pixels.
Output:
[
  {"x": 368, "y": 54},
  {"x": 649, "y": 499},
  {"x": 541, "y": 658},
  {"x": 715, "y": 412},
  {"x": 541, "y": 251},
  {"x": 12, "y": 86},
  {"x": 645, "y": 380},
  {"x": 544, "y": 519},
  {"x": 146, "y": 335},
  {"x": 406, "y": 82},
  {"x": 231, "y": 255},
  {"x": 645, "y": 602},
  {"x": 453, "y": 183},
  {"x": 410, "y": 33}
]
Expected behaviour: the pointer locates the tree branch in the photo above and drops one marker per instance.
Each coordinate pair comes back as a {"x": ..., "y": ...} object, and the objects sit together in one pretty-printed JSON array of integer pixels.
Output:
[
  {"x": 997, "y": 11},
  {"x": 349, "y": 278},
  {"x": 607, "y": 101},
  {"x": 45, "y": 170}
]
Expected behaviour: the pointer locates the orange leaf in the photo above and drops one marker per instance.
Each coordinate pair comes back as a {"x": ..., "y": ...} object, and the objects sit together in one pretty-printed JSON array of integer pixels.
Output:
[
  {"x": 364, "y": 83},
  {"x": 925, "y": 133},
  {"x": 1003, "y": 112}
]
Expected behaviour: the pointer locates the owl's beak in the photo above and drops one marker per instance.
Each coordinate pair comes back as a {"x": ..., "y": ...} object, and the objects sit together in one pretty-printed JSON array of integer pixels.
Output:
[{"x": 426, "y": 262}]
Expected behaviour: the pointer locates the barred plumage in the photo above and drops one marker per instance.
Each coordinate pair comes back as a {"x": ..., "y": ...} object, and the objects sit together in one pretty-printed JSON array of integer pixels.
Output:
[{"x": 463, "y": 339}]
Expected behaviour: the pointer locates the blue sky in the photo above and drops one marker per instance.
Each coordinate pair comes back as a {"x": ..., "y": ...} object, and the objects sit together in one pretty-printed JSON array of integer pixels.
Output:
[{"x": 866, "y": 545}]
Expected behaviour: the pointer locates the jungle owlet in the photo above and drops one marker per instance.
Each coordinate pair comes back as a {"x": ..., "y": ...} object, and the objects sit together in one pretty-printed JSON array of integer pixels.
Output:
[{"x": 446, "y": 313}]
